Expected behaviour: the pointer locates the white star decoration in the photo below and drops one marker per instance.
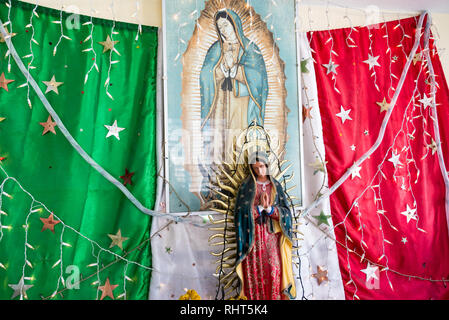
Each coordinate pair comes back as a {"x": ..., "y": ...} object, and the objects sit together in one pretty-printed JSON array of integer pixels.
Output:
[
  {"x": 352, "y": 147},
  {"x": 410, "y": 214},
  {"x": 114, "y": 130},
  {"x": 372, "y": 61},
  {"x": 395, "y": 159},
  {"x": 331, "y": 67},
  {"x": 426, "y": 101},
  {"x": 371, "y": 272},
  {"x": 433, "y": 146},
  {"x": 355, "y": 172},
  {"x": 404, "y": 240},
  {"x": 344, "y": 114},
  {"x": 20, "y": 289}
]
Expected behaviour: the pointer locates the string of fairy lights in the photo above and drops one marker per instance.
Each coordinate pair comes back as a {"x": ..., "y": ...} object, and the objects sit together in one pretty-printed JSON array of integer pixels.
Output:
[
  {"x": 113, "y": 50},
  {"x": 331, "y": 65},
  {"x": 372, "y": 60},
  {"x": 389, "y": 52},
  {"x": 38, "y": 208},
  {"x": 135, "y": 15},
  {"x": 310, "y": 119},
  {"x": 31, "y": 54},
  {"x": 8, "y": 24},
  {"x": 62, "y": 36},
  {"x": 89, "y": 38}
]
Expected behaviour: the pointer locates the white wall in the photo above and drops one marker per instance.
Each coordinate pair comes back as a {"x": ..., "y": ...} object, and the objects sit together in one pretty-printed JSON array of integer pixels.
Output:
[
  {"x": 312, "y": 17},
  {"x": 150, "y": 12}
]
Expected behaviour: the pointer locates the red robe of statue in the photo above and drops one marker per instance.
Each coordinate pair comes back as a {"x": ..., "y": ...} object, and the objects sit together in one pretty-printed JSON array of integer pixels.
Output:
[{"x": 262, "y": 267}]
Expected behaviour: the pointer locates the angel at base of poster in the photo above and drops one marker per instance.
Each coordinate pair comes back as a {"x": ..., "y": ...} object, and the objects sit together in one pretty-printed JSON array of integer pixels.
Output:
[{"x": 234, "y": 87}]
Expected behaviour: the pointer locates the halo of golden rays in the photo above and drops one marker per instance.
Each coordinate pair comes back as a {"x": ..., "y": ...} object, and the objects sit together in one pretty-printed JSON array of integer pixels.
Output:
[
  {"x": 225, "y": 187},
  {"x": 204, "y": 35}
]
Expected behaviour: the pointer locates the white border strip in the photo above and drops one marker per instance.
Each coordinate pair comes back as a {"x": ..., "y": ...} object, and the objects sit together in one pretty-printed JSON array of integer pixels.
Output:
[
  {"x": 299, "y": 108},
  {"x": 164, "y": 78}
]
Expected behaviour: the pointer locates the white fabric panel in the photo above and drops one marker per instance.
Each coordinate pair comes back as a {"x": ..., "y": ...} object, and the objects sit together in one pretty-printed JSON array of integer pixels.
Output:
[
  {"x": 317, "y": 249},
  {"x": 180, "y": 252},
  {"x": 182, "y": 260}
]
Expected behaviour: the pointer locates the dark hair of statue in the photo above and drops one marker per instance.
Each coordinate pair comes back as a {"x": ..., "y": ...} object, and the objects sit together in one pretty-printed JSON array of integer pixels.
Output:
[{"x": 257, "y": 159}]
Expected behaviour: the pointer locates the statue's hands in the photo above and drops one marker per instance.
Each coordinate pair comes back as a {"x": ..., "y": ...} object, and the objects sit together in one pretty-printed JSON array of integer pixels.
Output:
[{"x": 265, "y": 200}]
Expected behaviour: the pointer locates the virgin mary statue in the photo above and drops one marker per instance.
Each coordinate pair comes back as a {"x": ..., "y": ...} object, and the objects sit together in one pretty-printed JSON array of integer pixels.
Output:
[
  {"x": 263, "y": 223},
  {"x": 234, "y": 86}
]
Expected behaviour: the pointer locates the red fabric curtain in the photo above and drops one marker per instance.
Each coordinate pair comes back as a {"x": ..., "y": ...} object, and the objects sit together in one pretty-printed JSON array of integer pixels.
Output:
[{"x": 389, "y": 216}]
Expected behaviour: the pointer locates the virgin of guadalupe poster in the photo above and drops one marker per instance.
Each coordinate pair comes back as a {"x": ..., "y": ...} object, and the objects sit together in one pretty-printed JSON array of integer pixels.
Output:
[{"x": 229, "y": 65}]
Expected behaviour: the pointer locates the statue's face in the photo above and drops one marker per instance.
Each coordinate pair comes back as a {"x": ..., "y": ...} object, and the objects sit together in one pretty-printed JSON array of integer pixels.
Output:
[
  {"x": 226, "y": 28},
  {"x": 260, "y": 169}
]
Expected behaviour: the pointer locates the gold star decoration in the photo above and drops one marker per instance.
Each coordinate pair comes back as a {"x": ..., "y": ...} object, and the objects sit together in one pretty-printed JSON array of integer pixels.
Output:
[
  {"x": 49, "y": 223},
  {"x": 306, "y": 113},
  {"x": 106, "y": 290},
  {"x": 108, "y": 44},
  {"x": 52, "y": 85},
  {"x": 416, "y": 58},
  {"x": 4, "y": 82},
  {"x": 433, "y": 147},
  {"x": 10, "y": 35},
  {"x": 320, "y": 275},
  {"x": 117, "y": 239},
  {"x": 384, "y": 106},
  {"x": 48, "y": 126}
]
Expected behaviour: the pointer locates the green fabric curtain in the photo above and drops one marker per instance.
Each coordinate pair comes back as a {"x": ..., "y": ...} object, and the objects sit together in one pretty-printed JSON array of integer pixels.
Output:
[{"x": 51, "y": 171}]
